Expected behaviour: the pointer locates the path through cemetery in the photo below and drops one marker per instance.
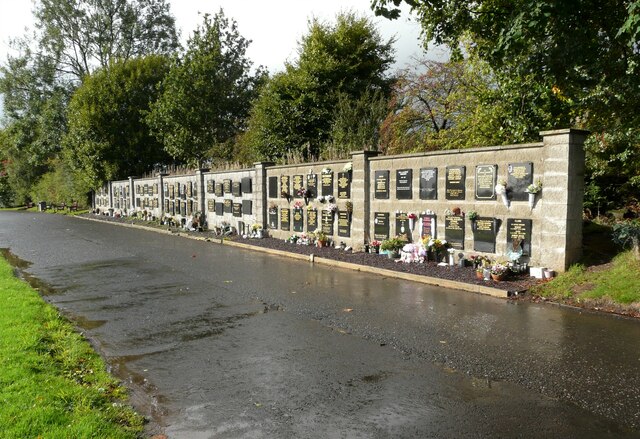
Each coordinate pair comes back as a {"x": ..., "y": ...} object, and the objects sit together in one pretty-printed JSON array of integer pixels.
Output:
[{"x": 226, "y": 343}]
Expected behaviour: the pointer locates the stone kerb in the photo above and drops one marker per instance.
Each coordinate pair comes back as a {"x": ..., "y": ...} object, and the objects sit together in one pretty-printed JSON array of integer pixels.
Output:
[
  {"x": 232, "y": 197},
  {"x": 331, "y": 188}
]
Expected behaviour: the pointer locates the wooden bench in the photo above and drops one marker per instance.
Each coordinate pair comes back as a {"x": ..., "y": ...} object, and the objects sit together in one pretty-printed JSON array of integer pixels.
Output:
[
  {"x": 62, "y": 206},
  {"x": 73, "y": 207}
]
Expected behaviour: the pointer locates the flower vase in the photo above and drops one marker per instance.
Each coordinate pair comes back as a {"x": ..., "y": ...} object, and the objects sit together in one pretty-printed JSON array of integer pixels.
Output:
[
  {"x": 498, "y": 277},
  {"x": 479, "y": 274},
  {"x": 411, "y": 224},
  {"x": 451, "y": 259},
  {"x": 505, "y": 200},
  {"x": 532, "y": 200}
]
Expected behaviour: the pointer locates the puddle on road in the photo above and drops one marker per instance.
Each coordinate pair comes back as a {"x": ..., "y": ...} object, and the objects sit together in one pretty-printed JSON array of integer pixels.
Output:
[{"x": 19, "y": 265}]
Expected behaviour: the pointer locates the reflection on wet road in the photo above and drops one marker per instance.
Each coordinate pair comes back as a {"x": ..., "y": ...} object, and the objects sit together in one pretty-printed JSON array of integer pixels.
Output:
[{"x": 220, "y": 342}]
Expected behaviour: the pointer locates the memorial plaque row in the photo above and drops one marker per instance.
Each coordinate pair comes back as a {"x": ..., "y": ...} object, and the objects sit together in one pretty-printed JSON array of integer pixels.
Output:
[
  {"x": 293, "y": 186},
  {"x": 520, "y": 175}
]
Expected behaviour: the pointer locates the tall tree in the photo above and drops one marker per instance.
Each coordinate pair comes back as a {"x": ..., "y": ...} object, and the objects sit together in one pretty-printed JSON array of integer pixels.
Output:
[
  {"x": 207, "y": 94},
  {"x": 83, "y": 35},
  {"x": 296, "y": 109},
  {"x": 108, "y": 137},
  {"x": 562, "y": 63}
]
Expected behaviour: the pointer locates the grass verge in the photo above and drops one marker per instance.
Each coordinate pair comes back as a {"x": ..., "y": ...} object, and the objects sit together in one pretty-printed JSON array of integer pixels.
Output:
[
  {"x": 618, "y": 282},
  {"x": 52, "y": 383}
]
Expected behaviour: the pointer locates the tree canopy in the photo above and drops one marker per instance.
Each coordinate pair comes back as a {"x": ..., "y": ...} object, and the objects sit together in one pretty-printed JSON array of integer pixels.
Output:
[
  {"x": 336, "y": 62},
  {"x": 108, "y": 138},
  {"x": 207, "y": 94}
]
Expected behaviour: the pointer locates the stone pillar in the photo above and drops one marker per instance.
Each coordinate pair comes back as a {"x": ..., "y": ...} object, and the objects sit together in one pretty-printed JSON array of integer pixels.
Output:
[
  {"x": 260, "y": 192},
  {"x": 360, "y": 194},
  {"x": 132, "y": 198},
  {"x": 202, "y": 188},
  {"x": 110, "y": 193},
  {"x": 562, "y": 196},
  {"x": 161, "y": 194}
]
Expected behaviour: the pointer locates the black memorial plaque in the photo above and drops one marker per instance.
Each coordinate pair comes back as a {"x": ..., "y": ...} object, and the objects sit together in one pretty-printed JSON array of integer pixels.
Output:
[
  {"x": 219, "y": 209},
  {"x": 298, "y": 183},
  {"x": 273, "y": 187},
  {"x": 284, "y": 186},
  {"x": 166, "y": 206},
  {"x": 183, "y": 191},
  {"x": 210, "y": 186},
  {"x": 189, "y": 189},
  {"x": 298, "y": 220},
  {"x": 381, "y": 190},
  {"x": 520, "y": 175},
  {"x": 381, "y": 226},
  {"x": 237, "y": 209},
  {"x": 344, "y": 224},
  {"x": 454, "y": 231},
  {"x": 484, "y": 234},
  {"x": 327, "y": 222},
  {"x": 312, "y": 220},
  {"x": 145, "y": 189},
  {"x": 226, "y": 186},
  {"x": 273, "y": 218},
  {"x": 285, "y": 214},
  {"x": 402, "y": 226},
  {"x": 326, "y": 180},
  {"x": 228, "y": 205},
  {"x": 246, "y": 185},
  {"x": 156, "y": 203},
  {"x": 404, "y": 184},
  {"x": 138, "y": 202},
  {"x": 486, "y": 182},
  {"x": 428, "y": 223},
  {"x": 247, "y": 207},
  {"x": 344, "y": 185},
  {"x": 211, "y": 205},
  {"x": 312, "y": 185},
  {"x": 183, "y": 208},
  {"x": 519, "y": 233},
  {"x": 189, "y": 207},
  {"x": 455, "y": 183},
  {"x": 172, "y": 208},
  {"x": 219, "y": 189},
  {"x": 236, "y": 189},
  {"x": 155, "y": 189}
]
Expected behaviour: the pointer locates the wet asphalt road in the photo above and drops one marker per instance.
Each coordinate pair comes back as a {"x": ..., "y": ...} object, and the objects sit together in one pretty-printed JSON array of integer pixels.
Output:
[{"x": 218, "y": 342}]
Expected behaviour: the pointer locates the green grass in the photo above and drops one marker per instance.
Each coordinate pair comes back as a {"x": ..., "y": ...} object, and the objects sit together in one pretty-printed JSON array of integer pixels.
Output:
[
  {"x": 52, "y": 383},
  {"x": 619, "y": 283}
]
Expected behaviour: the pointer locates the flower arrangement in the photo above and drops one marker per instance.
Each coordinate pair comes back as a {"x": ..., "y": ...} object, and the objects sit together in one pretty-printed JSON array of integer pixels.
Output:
[
  {"x": 331, "y": 207},
  {"x": 347, "y": 167},
  {"x": 349, "y": 207},
  {"x": 480, "y": 262},
  {"x": 448, "y": 212},
  {"x": 320, "y": 235},
  {"x": 320, "y": 199},
  {"x": 327, "y": 171},
  {"x": 292, "y": 239},
  {"x": 273, "y": 208},
  {"x": 302, "y": 192},
  {"x": 472, "y": 215},
  {"x": 310, "y": 206},
  {"x": 499, "y": 268},
  {"x": 534, "y": 188},
  {"x": 256, "y": 226},
  {"x": 329, "y": 198},
  {"x": 412, "y": 216},
  {"x": 298, "y": 205},
  {"x": 501, "y": 187},
  {"x": 456, "y": 211},
  {"x": 375, "y": 243}
]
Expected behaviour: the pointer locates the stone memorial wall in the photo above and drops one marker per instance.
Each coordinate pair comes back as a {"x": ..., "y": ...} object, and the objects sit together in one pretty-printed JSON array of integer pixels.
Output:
[{"x": 411, "y": 195}]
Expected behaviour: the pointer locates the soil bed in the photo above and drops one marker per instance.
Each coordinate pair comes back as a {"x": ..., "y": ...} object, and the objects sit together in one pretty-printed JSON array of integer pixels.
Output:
[{"x": 519, "y": 283}]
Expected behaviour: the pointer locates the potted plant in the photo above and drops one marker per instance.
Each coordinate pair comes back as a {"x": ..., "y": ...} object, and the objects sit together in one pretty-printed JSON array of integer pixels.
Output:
[
  {"x": 392, "y": 247},
  {"x": 374, "y": 247},
  {"x": 499, "y": 270},
  {"x": 321, "y": 238},
  {"x": 348, "y": 206}
]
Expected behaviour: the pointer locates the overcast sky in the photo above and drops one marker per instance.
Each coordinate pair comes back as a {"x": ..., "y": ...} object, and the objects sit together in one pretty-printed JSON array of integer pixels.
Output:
[{"x": 275, "y": 27}]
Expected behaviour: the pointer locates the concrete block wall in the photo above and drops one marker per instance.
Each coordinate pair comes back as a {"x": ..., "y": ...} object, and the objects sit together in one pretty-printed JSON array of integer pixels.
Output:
[{"x": 557, "y": 161}]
